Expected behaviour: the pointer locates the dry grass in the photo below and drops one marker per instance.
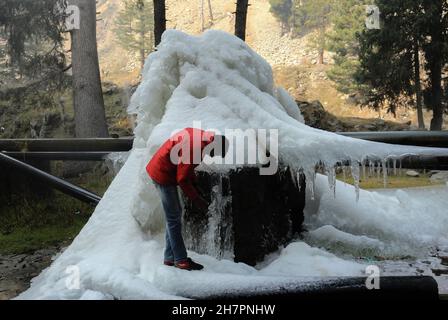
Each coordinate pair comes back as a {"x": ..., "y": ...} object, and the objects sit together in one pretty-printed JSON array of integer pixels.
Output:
[{"x": 401, "y": 180}]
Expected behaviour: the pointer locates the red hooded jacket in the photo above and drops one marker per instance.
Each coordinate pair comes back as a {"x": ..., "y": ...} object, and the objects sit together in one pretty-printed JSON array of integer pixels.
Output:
[{"x": 188, "y": 144}]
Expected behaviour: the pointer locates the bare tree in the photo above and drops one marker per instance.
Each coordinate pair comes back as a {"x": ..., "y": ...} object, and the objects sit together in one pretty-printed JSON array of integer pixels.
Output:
[
  {"x": 241, "y": 17},
  {"x": 159, "y": 20},
  {"x": 210, "y": 11},
  {"x": 202, "y": 16},
  {"x": 90, "y": 118},
  {"x": 418, "y": 86}
]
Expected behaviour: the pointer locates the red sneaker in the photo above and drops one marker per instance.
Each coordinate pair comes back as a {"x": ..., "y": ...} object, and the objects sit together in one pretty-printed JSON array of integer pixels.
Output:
[
  {"x": 168, "y": 263},
  {"x": 189, "y": 265}
]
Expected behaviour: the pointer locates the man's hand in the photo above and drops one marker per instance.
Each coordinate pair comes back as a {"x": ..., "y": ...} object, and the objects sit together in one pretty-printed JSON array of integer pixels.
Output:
[{"x": 201, "y": 204}]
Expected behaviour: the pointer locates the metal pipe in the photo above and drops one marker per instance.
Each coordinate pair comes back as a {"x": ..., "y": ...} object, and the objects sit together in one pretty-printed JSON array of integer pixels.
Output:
[
  {"x": 74, "y": 156},
  {"x": 55, "y": 182},
  {"x": 343, "y": 288},
  {"x": 411, "y": 162},
  {"x": 413, "y": 138},
  {"x": 67, "y": 145},
  {"x": 416, "y": 138},
  {"x": 96, "y": 148}
]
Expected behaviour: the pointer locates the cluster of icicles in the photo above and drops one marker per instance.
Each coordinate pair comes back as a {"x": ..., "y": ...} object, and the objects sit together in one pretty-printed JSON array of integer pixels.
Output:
[{"x": 357, "y": 169}]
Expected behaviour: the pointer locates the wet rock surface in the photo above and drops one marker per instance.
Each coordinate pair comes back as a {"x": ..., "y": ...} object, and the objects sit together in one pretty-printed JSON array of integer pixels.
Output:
[
  {"x": 17, "y": 270},
  {"x": 250, "y": 215}
]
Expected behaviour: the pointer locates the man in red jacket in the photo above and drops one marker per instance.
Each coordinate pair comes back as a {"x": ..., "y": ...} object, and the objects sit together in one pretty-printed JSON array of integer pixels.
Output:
[{"x": 173, "y": 165}]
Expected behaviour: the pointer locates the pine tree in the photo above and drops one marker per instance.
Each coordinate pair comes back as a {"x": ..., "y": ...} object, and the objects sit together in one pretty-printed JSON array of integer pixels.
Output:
[
  {"x": 282, "y": 10},
  {"x": 32, "y": 36},
  {"x": 435, "y": 46},
  {"x": 390, "y": 57},
  {"x": 348, "y": 20},
  {"x": 135, "y": 27},
  {"x": 315, "y": 16}
]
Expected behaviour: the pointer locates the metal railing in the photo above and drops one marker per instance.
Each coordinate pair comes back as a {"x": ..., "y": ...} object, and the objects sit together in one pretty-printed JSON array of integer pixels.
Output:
[
  {"x": 14, "y": 152},
  {"x": 52, "y": 181}
]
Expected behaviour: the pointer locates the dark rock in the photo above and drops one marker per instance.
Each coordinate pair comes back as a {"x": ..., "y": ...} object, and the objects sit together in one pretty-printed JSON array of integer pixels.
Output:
[
  {"x": 110, "y": 88},
  {"x": 250, "y": 215},
  {"x": 444, "y": 261},
  {"x": 316, "y": 116},
  {"x": 440, "y": 272}
]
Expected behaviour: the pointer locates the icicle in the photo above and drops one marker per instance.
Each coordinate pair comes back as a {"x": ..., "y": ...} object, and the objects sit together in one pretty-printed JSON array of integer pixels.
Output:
[
  {"x": 371, "y": 168},
  {"x": 295, "y": 177},
  {"x": 298, "y": 177},
  {"x": 355, "y": 175},
  {"x": 395, "y": 166},
  {"x": 378, "y": 169},
  {"x": 331, "y": 174},
  {"x": 219, "y": 238},
  {"x": 363, "y": 164},
  {"x": 385, "y": 173},
  {"x": 310, "y": 183}
]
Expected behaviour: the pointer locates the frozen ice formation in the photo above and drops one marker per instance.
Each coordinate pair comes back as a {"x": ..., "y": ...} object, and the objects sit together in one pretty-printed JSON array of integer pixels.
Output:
[{"x": 218, "y": 80}]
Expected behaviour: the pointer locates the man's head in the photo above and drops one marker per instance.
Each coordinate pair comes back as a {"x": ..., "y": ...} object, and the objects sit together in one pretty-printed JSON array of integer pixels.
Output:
[{"x": 219, "y": 146}]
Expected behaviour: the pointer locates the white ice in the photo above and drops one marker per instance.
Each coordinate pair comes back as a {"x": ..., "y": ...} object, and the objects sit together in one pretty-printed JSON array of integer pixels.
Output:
[{"x": 219, "y": 80}]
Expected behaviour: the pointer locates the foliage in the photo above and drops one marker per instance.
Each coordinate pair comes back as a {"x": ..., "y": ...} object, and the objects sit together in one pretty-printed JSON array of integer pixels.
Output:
[
  {"x": 31, "y": 43},
  {"x": 348, "y": 21},
  {"x": 135, "y": 25},
  {"x": 282, "y": 10},
  {"x": 387, "y": 55},
  {"x": 314, "y": 15}
]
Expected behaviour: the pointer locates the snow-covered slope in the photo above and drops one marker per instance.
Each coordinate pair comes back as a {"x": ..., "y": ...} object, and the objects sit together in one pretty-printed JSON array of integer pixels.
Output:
[{"x": 217, "y": 79}]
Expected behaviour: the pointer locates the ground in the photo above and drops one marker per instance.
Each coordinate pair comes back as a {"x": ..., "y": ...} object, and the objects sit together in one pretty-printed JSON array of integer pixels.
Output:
[
  {"x": 32, "y": 232},
  {"x": 16, "y": 270}
]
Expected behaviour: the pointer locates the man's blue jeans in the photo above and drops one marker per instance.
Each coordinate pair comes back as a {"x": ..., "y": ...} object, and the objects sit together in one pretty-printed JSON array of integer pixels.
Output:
[{"x": 175, "y": 247}]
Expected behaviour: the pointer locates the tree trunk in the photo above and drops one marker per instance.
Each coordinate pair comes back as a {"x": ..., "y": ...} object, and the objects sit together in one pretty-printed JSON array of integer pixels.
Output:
[
  {"x": 418, "y": 87},
  {"x": 292, "y": 22},
  {"x": 434, "y": 56},
  {"x": 210, "y": 11},
  {"x": 142, "y": 47},
  {"x": 202, "y": 16},
  {"x": 321, "y": 56},
  {"x": 241, "y": 17},
  {"x": 159, "y": 20},
  {"x": 90, "y": 118},
  {"x": 142, "y": 59}
]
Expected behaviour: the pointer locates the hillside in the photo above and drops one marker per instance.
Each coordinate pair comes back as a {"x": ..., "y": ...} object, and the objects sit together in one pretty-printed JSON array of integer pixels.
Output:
[{"x": 293, "y": 61}]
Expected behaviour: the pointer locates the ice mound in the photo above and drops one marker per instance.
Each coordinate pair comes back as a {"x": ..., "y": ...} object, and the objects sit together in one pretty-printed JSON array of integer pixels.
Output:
[
  {"x": 217, "y": 79},
  {"x": 395, "y": 224},
  {"x": 220, "y": 81}
]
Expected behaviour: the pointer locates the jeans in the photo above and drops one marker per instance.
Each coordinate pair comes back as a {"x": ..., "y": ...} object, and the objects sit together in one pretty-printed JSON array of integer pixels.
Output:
[{"x": 175, "y": 247}]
